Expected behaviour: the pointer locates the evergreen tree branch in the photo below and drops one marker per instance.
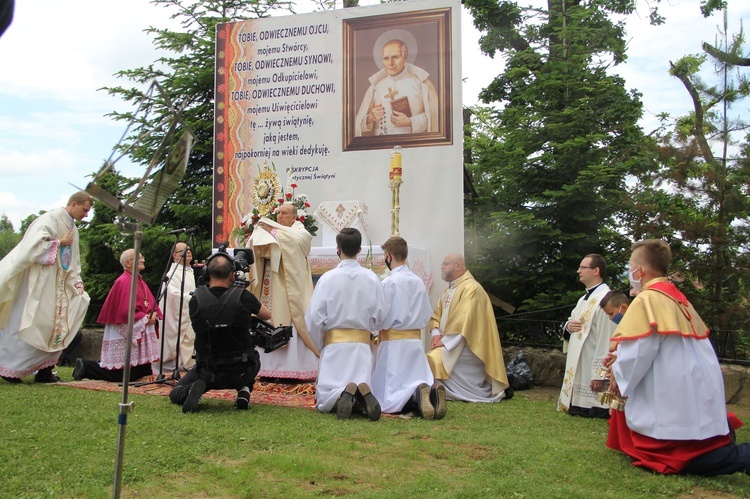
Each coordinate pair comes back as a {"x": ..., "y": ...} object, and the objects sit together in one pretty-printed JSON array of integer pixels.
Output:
[
  {"x": 732, "y": 59},
  {"x": 700, "y": 135}
]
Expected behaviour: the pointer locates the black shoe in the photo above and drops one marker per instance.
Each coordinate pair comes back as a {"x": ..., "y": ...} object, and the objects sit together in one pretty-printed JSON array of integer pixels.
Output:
[
  {"x": 422, "y": 401},
  {"x": 509, "y": 390},
  {"x": 79, "y": 370},
  {"x": 242, "y": 403},
  {"x": 368, "y": 401},
  {"x": 346, "y": 401},
  {"x": 46, "y": 376},
  {"x": 197, "y": 389},
  {"x": 11, "y": 380},
  {"x": 437, "y": 398}
]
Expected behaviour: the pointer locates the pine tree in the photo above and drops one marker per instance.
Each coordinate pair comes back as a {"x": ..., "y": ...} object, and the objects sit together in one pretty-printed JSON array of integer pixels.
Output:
[{"x": 553, "y": 152}]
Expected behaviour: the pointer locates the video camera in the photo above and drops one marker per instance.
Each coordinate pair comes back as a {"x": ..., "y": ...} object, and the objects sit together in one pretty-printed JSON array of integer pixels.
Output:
[
  {"x": 242, "y": 258},
  {"x": 269, "y": 338}
]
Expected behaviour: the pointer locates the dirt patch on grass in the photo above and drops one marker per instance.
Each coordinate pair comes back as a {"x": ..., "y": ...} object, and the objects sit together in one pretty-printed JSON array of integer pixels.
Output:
[
  {"x": 543, "y": 393},
  {"x": 700, "y": 493}
]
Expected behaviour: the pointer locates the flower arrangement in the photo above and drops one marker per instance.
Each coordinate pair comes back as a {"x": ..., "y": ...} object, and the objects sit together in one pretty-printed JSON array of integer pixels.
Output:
[{"x": 267, "y": 197}]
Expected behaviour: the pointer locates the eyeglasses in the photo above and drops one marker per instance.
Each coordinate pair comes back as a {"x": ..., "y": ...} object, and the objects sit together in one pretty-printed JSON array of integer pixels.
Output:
[
  {"x": 585, "y": 267},
  {"x": 180, "y": 251}
]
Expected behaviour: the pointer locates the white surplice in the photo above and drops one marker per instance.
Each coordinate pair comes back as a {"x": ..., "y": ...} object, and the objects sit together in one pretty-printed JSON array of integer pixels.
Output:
[
  {"x": 401, "y": 365},
  {"x": 40, "y": 308},
  {"x": 687, "y": 402},
  {"x": 586, "y": 351},
  {"x": 174, "y": 295},
  {"x": 346, "y": 297}
]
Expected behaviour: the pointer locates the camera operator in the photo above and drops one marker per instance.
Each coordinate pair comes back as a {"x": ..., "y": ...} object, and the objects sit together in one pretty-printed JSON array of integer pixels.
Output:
[{"x": 221, "y": 315}]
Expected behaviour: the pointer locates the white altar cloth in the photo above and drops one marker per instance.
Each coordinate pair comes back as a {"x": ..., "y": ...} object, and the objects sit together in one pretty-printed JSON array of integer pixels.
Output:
[
  {"x": 332, "y": 216},
  {"x": 324, "y": 258}
]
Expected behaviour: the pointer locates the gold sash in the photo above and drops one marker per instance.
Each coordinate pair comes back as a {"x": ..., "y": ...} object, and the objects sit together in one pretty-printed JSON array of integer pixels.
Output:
[
  {"x": 346, "y": 336},
  {"x": 403, "y": 334}
]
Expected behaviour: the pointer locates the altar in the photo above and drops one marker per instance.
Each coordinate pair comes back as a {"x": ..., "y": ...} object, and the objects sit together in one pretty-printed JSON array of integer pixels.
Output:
[
  {"x": 332, "y": 216},
  {"x": 324, "y": 258}
]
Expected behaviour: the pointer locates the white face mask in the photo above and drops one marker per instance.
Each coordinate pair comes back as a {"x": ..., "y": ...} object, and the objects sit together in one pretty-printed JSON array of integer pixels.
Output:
[{"x": 636, "y": 285}]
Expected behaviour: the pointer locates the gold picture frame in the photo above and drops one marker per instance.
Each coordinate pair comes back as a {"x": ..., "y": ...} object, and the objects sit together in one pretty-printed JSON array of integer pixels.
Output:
[{"x": 428, "y": 35}]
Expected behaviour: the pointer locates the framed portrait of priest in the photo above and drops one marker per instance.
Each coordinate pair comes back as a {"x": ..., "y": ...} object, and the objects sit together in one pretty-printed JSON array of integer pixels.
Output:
[{"x": 397, "y": 80}]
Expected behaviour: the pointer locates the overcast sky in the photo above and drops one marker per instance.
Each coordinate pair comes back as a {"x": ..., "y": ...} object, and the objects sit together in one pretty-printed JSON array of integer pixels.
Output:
[{"x": 56, "y": 54}]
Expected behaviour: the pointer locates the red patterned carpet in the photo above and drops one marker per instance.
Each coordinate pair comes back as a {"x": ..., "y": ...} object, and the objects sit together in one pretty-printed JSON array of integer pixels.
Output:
[{"x": 264, "y": 392}]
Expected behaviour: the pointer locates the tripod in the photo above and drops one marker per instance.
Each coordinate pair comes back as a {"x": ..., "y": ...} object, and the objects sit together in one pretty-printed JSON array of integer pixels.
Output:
[{"x": 178, "y": 261}]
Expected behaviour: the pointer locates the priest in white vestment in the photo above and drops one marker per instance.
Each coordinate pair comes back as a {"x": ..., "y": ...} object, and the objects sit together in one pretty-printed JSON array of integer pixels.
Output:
[
  {"x": 175, "y": 300},
  {"x": 589, "y": 330},
  {"x": 402, "y": 380},
  {"x": 282, "y": 281},
  {"x": 346, "y": 306},
  {"x": 674, "y": 418},
  {"x": 400, "y": 99},
  {"x": 42, "y": 298},
  {"x": 466, "y": 355}
]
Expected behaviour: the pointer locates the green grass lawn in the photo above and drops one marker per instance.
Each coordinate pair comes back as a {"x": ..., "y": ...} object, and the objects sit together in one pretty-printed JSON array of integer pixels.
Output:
[{"x": 61, "y": 442}]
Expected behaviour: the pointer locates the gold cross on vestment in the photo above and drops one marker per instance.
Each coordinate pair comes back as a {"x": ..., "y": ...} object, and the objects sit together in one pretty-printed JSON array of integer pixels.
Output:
[{"x": 391, "y": 93}]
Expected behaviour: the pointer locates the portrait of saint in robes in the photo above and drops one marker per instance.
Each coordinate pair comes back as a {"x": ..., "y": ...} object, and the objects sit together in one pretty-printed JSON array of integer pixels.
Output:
[{"x": 397, "y": 80}]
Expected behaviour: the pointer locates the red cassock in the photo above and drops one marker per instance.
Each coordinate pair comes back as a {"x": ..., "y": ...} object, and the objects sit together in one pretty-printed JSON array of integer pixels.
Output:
[{"x": 662, "y": 456}]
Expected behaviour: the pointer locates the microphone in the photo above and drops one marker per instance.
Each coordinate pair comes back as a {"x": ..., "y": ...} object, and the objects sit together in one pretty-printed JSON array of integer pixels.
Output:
[{"x": 188, "y": 230}]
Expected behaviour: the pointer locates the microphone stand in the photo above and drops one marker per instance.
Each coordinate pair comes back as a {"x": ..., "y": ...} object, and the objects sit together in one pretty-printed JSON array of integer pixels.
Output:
[{"x": 166, "y": 279}]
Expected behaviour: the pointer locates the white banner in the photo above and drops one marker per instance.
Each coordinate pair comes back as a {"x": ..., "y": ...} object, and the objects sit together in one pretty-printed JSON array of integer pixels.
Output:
[{"x": 327, "y": 96}]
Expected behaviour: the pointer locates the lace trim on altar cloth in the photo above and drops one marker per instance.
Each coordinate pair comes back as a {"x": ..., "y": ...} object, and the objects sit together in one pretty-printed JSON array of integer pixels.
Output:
[
  {"x": 416, "y": 264},
  {"x": 336, "y": 216},
  {"x": 425, "y": 274},
  {"x": 329, "y": 262},
  {"x": 304, "y": 375}
]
